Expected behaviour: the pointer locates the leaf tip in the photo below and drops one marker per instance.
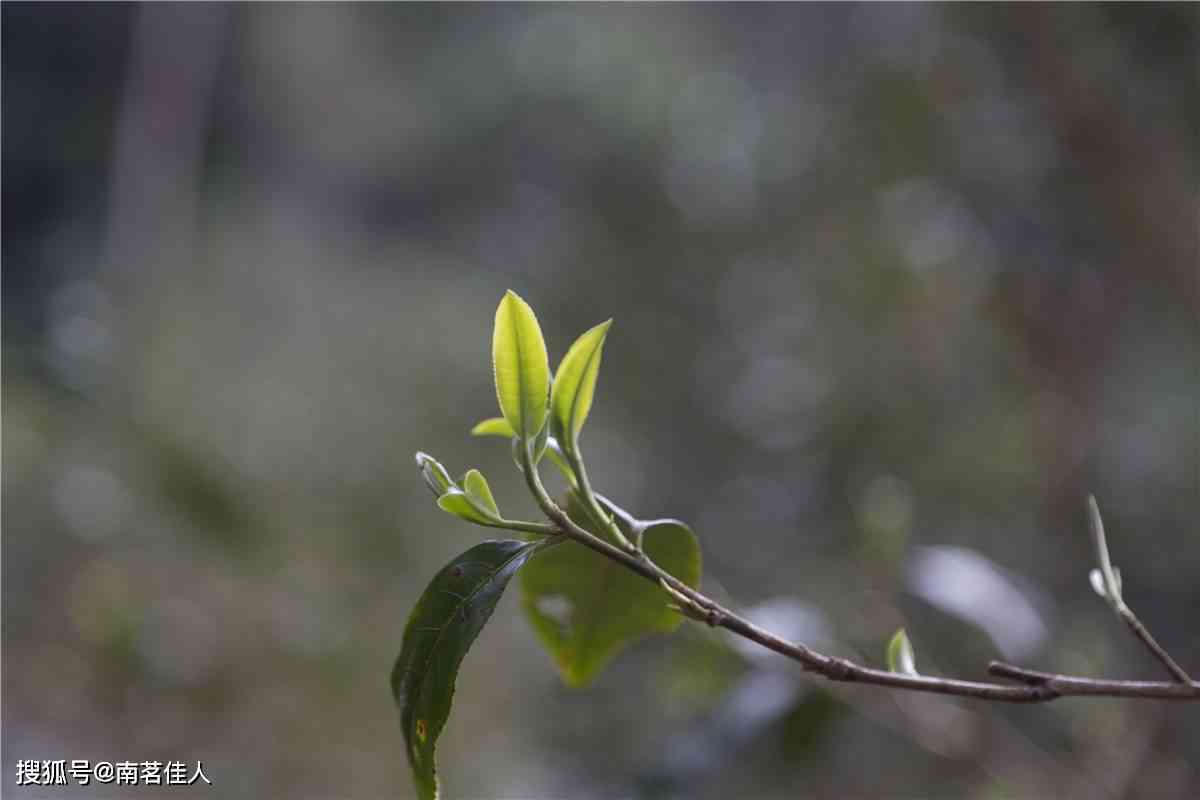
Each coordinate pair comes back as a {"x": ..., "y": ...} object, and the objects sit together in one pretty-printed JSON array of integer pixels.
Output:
[
  {"x": 435, "y": 475},
  {"x": 511, "y": 298}
]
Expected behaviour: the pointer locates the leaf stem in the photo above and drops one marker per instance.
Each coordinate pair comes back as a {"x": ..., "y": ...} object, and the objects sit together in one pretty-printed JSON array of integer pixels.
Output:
[
  {"x": 598, "y": 514},
  {"x": 539, "y": 528}
]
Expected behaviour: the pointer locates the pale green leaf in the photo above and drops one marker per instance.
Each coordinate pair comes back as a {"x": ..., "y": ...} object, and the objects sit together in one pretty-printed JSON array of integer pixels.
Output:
[
  {"x": 521, "y": 366},
  {"x": 477, "y": 487},
  {"x": 495, "y": 426},
  {"x": 460, "y": 504},
  {"x": 575, "y": 384},
  {"x": 900, "y": 656},
  {"x": 435, "y": 475}
]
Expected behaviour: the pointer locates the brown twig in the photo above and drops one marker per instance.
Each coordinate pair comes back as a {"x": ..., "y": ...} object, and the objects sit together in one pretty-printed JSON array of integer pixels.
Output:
[
  {"x": 1036, "y": 687},
  {"x": 1139, "y": 630},
  {"x": 1112, "y": 593}
]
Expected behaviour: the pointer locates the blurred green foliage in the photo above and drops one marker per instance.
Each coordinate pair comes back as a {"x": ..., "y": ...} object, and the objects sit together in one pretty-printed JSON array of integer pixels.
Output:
[{"x": 885, "y": 278}]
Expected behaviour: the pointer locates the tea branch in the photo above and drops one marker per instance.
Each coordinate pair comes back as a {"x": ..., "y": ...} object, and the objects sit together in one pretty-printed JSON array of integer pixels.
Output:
[{"x": 1034, "y": 686}]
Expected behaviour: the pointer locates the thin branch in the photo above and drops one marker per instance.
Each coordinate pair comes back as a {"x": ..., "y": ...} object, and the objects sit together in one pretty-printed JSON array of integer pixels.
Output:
[
  {"x": 591, "y": 504},
  {"x": 1112, "y": 592},
  {"x": 1139, "y": 630},
  {"x": 1036, "y": 687},
  {"x": 538, "y": 528},
  {"x": 1073, "y": 685}
]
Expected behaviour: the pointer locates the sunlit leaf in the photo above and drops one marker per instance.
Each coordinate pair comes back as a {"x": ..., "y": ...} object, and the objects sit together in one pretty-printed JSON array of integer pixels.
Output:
[
  {"x": 900, "y": 654},
  {"x": 586, "y": 608},
  {"x": 522, "y": 368},
  {"x": 460, "y": 504},
  {"x": 477, "y": 488},
  {"x": 441, "y": 628},
  {"x": 575, "y": 384},
  {"x": 540, "y": 443},
  {"x": 494, "y": 426}
]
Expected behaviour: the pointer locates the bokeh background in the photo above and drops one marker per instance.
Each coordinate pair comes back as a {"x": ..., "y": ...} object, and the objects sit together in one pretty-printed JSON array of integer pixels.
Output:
[{"x": 895, "y": 287}]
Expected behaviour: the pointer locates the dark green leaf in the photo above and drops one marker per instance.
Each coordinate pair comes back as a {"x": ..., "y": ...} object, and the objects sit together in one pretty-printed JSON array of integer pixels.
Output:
[
  {"x": 586, "y": 608},
  {"x": 443, "y": 625}
]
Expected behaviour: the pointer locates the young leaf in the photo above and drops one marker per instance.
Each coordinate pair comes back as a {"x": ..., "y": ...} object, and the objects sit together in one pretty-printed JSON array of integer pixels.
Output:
[
  {"x": 1108, "y": 574},
  {"x": 586, "y": 609},
  {"x": 495, "y": 426},
  {"x": 575, "y": 384},
  {"x": 445, "y": 622},
  {"x": 461, "y": 504},
  {"x": 522, "y": 368},
  {"x": 1096, "y": 577},
  {"x": 900, "y": 654},
  {"x": 498, "y": 426},
  {"x": 435, "y": 475},
  {"x": 477, "y": 488}
]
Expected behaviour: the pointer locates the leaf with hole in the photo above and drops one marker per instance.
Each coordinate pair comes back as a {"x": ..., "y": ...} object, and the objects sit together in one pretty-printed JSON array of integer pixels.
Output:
[
  {"x": 521, "y": 366},
  {"x": 586, "y": 608},
  {"x": 575, "y": 385},
  {"x": 441, "y": 629}
]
